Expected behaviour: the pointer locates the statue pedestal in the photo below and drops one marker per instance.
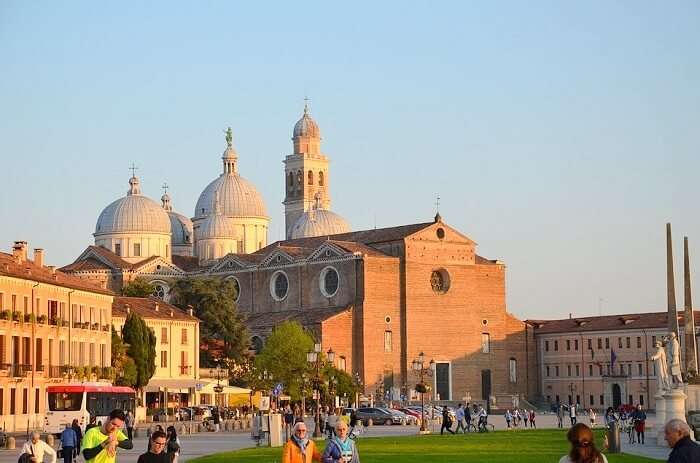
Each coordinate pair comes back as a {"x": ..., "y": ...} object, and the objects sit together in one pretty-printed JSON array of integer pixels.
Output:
[
  {"x": 693, "y": 393},
  {"x": 674, "y": 408},
  {"x": 660, "y": 417}
]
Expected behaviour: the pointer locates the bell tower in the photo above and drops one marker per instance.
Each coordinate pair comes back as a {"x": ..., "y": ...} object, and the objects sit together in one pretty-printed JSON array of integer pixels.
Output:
[{"x": 305, "y": 172}]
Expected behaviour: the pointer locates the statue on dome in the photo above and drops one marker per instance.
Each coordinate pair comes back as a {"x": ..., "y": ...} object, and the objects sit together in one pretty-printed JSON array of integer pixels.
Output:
[
  {"x": 659, "y": 359},
  {"x": 229, "y": 136}
]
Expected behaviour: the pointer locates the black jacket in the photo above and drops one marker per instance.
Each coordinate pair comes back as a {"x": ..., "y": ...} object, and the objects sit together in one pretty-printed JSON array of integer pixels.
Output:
[{"x": 685, "y": 451}]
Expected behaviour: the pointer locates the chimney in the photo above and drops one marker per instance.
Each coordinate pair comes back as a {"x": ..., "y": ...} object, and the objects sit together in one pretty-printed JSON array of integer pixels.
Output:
[
  {"x": 190, "y": 310},
  {"x": 570, "y": 317},
  {"x": 157, "y": 308},
  {"x": 172, "y": 314},
  {"x": 19, "y": 251},
  {"x": 39, "y": 257},
  {"x": 128, "y": 309},
  {"x": 672, "y": 318}
]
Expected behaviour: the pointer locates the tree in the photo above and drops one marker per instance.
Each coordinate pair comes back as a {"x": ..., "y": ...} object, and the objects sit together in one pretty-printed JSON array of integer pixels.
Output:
[
  {"x": 284, "y": 356},
  {"x": 141, "y": 348},
  {"x": 138, "y": 287},
  {"x": 213, "y": 302},
  {"x": 124, "y": 366}
]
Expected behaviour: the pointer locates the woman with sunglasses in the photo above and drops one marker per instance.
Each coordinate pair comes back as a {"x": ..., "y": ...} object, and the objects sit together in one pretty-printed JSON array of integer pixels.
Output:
[{"x": 299, "y": 448}]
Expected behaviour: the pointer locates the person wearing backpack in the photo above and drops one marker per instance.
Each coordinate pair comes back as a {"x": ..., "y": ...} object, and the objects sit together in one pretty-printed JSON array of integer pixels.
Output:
[{"x": 446, "y": 421}]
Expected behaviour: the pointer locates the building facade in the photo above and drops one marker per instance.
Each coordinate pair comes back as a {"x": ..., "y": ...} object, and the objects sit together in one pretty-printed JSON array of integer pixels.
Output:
[
  {"x": 177, "y": 349},
  {"x": 54, "y": 328},
  {"x": 599, "y": 361}
]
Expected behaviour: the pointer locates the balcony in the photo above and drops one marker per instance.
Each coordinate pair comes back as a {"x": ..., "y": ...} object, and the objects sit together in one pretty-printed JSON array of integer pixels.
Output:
[
  {"x": 185, "y": 370},
  {"x": 5, "y": 368},
  {"x": 56, "y": 371},
  {"x": 21, "y": 370}
]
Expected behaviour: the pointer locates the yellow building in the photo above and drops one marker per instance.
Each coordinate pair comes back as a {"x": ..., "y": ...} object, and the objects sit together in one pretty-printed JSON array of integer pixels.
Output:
[
  {"x": 53, "y": 328},
  {"x": 177, "y": 349}
]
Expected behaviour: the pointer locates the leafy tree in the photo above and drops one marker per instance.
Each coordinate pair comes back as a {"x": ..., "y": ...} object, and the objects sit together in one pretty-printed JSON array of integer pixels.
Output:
[
  {"x": 213, "y": 302},
  {"x": 138, "y": 287},
  {"x": 124, "y": 366},
  {"x": 141, "y": 348},
  {"x": 284, "y": 356}
]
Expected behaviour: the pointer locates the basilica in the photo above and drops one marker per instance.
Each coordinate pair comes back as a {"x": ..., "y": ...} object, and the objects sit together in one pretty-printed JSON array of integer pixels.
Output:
[{"x": 377, "y": 297}]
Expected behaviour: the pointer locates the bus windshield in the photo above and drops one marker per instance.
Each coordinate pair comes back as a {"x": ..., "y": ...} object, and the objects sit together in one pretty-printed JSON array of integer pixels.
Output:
[{"x": 65, "y": 401}]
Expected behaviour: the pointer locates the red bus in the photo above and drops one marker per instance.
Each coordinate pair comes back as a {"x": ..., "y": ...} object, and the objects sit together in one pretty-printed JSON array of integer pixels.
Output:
[{"x": 82, "y": 401}]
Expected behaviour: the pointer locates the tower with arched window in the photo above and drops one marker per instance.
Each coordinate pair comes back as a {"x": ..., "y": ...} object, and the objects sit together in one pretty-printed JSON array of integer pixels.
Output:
[{"x": 305, "y": 172}]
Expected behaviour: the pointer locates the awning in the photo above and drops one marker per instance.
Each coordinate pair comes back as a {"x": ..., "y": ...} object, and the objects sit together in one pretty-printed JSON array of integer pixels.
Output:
[
  {"x": 173, "y": 385},
  {"x": 208, "y": 388}
]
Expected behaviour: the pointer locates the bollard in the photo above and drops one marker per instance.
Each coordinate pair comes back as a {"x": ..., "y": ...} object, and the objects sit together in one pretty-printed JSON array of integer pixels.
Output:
[
  {"x": 10, "y": 445},
  {"x": 50, "y": 440},
  {"x": 183, "y": 429}
]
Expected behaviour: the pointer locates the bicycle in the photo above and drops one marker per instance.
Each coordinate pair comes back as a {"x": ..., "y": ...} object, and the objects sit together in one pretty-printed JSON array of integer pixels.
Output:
[{"x": 356, "y": 431}]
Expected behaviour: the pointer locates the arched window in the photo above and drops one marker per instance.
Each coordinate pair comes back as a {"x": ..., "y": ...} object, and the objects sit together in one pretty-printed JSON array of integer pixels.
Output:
[
  {"x": 300, "y": 180},
  {"x": 290, "y": 181},
  {"x": 320, "y": 178},
  {"x": 310, "y": 177}
]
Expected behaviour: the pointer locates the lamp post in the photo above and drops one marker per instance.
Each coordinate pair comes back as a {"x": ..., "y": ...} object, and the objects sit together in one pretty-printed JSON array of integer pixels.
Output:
[
  {"x": 422, "y": 372},
  {"x": 314, "y": 358},
  {"x": 218, "y": 389},
  {"x": 358, "y": 383}
]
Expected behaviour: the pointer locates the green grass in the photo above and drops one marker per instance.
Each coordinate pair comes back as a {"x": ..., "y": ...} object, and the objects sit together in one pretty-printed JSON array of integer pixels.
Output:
[{"x": 536, "y": 446}]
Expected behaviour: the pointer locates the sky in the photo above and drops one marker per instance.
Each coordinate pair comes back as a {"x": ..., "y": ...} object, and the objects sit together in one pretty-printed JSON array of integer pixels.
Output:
[{"x": 560, "y": 136}]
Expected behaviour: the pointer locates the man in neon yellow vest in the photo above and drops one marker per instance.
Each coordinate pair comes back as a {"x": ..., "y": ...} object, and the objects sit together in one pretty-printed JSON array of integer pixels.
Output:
[{"x": 100, "y": 443}]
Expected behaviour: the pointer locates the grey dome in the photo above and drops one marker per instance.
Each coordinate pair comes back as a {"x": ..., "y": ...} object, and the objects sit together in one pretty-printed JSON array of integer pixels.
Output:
[
  {"x": 180, "y": 229},
  {"x": 133, "y": 213},
  {"x": 218, "y": 226},
  {"x": 237, "y": 198},
  {"x": 306, "y": 126},
  {"x": 319, "y": 222}
]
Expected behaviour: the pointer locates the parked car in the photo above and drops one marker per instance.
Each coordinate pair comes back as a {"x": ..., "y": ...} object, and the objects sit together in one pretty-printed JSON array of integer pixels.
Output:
[
  {"x": 409, "y": 411},
  {"x": 377, "y": 415},
  {"x": 405, "y": 417}
]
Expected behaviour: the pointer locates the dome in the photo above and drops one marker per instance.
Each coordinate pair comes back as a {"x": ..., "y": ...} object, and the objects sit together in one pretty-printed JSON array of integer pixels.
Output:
[
  {"x": 237, "y": 196},
  {"x": 133, "y": 213},
  {"x": 218, "y": 226},
  {"x": 180, "y": 229},
  {"x": 306, "y": 126},
  {"x": 319, "y": 222}
]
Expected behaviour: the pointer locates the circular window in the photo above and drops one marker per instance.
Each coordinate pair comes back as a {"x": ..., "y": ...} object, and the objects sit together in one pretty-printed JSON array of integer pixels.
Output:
[
  {"x": 440, "y": 233},
  {"x": 279, "y": 285},
  {"x": 236, "y": 286},
  {"x": 329, "y": 281},
  {"x": 484, "y": 322},
  {"x": 440, "y": 281},
  {"x": 387, "y": 319},
  {"x": 160, "y": 290}
]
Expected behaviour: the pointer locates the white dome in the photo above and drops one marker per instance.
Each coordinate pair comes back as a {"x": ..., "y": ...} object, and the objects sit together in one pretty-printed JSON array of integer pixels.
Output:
[
  {"x": 180, "y": 229},
  {"x": 237, "y": 197},
  {"x": 319, "y": 222},
  {"x": 133, "y": 213},
  {"x": 306, "y": 126},
  {"x": 218, "y": 227}
]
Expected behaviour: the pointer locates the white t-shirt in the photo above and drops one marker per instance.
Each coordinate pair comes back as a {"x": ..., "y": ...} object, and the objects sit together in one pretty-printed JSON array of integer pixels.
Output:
[
  {"x": 566, "y": 459},
  {"x": 39, "y": 450}
]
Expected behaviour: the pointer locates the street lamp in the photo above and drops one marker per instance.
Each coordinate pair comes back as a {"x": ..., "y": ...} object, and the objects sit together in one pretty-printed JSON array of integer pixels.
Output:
[
  {"x": 422, "y": 372},
  {"x": 314, "y": 358}
]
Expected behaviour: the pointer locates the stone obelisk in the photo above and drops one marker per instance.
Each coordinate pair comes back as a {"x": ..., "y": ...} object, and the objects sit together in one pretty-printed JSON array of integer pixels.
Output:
[
  {"x": 691, "y": 359},
  {"x": 670, "y": 285}
]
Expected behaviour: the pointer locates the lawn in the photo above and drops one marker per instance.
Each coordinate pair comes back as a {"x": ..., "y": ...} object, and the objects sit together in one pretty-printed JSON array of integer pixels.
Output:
[{"x": 536, "y": 446}]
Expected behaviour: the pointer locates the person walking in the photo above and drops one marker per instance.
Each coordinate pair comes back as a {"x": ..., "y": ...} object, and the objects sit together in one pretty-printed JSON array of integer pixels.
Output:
[
  {"x": 129, "y": 425},
  {"x": 331, "y": 421},
  {"x": 446, "y": 421},
  {"x": 299, "y": 448},
  {"x": 288, "y": 421},
  {"x": 677, "y": 435},
  {"x": 508, "y": 418},
  {"x": 173, "y": 445},
  {"x": 35, "y": 449},
  {"x": 609, "y": 419},
  {"x": 583, "y": 449},
  {"x": 516, "y": 418},
  {"x": 639, "y": 418},
  {"x": 591, "y": 417},
  {"x": 560, "y": 415},
  {"x": 460, "y": 419},
  {"x": 69, "y": 442},
  {"x": 156, "y": 450},
  {"x": 468, "y": 416},
  {"x": 572, "y": 414},
  {"x": 532, "y": 419},
  {"x": 525, "y": 416},
  {"x": 100, "y": 443},
  {"x": 340, "y": 449}
]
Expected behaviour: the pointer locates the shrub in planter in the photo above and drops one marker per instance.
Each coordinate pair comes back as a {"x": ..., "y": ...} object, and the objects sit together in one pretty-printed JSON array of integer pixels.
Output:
[
  {"x": 42, "y": 318},
  {"x": 5, "y": 315},
  {"x": 16, "y": 316}
]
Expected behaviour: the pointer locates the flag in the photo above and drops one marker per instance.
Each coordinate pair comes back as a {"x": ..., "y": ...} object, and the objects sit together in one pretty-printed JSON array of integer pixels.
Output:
[{"x": 613, "y": 357}]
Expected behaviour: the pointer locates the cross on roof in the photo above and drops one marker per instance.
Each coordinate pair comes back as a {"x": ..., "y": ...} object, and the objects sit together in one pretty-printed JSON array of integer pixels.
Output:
[
  {"x": 165, "y": 188},
  {"x": 133, "y": 169},
  {"x": 306, "y": 104},
  {"x": 437, "y": 204}
]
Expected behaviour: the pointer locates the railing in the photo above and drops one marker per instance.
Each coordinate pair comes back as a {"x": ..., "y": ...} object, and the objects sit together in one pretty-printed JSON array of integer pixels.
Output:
[
  {"x": 5, "y": 367},
  {"x": 56, "y": 371},
  {"x": 185, "y": 370},
  {"x": 19, "y": 371},
  {"x": 41, "y": 368}
]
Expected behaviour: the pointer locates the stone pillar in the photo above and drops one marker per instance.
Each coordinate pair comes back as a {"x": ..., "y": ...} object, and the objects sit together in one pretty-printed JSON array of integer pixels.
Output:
[
  {"x": 672, "y": 318},
  {"x": 660, "y": 417},
  {"x": 691, "y": 361},
  {"x": 674, "y": 409}
]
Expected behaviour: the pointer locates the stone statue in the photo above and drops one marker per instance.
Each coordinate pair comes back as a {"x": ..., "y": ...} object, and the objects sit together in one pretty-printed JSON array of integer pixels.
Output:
[
  {"x": 229, "y": 136},
  {"x": 674, "y": 355},
  {"x": 659, "y": 359}
]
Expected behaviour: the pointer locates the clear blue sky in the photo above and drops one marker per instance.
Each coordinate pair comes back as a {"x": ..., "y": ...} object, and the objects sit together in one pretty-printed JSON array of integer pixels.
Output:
[{"x": 561, "y": 136}]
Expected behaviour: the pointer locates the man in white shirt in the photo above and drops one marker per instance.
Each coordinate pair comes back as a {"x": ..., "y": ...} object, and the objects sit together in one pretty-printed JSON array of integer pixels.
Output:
[
  {"x": 572, "y": 413},
  {"x": 460, "y": 420},
  {"x": 37, "y": 448}
]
